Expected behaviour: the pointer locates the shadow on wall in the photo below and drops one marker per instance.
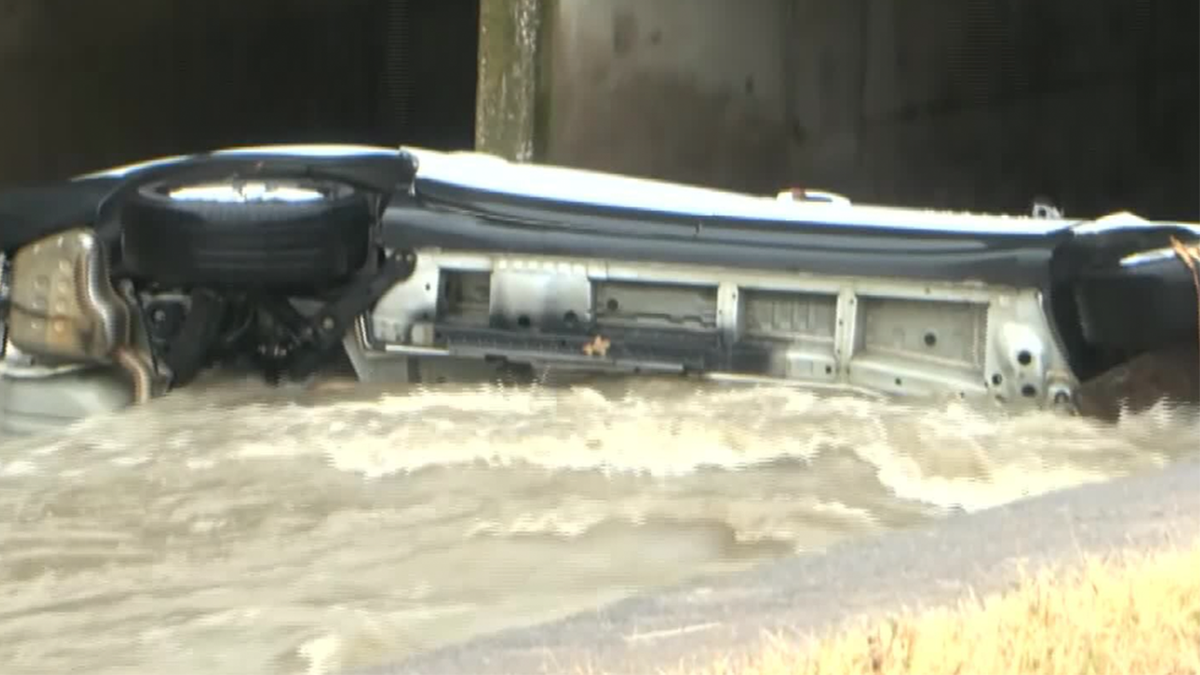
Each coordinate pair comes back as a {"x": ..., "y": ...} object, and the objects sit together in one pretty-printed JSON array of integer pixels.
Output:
[
  {"x": 981, "y": 104},
  {"x": 94, "y": 84}
]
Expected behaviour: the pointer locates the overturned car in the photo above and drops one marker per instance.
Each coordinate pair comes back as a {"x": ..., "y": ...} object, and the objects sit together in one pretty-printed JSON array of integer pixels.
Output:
[{"x": 417, "y": 266}]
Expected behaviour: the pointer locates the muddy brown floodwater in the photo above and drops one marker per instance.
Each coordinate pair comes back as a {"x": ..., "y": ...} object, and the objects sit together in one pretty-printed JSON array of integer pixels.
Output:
[{"x": 232, "y": 529}]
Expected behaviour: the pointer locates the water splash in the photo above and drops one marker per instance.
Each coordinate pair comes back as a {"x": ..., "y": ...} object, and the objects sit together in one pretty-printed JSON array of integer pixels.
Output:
[{"x": 292, "y": 531}]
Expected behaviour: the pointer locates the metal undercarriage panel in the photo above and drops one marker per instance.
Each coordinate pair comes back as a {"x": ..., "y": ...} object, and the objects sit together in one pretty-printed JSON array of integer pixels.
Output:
[
  {"x": 523, "y": 269},
  {"x": 887, "y": 336}
]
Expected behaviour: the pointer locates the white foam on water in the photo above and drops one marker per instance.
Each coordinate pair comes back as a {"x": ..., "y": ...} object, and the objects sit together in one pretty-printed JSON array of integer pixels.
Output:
[
  {"x": 18, "y": 468},
  {"x": 242, "y": 529},
  {"x": 947, "y": 455}
]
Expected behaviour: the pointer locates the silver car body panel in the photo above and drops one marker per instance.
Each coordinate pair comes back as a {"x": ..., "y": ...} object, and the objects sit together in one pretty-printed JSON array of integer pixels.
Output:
[
  {"x": 466, "y": 309},
  {"x": 883, "y": 335}
]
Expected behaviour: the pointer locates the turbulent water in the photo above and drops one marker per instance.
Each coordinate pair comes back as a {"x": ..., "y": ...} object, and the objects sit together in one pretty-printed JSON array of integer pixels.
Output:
[{"x": 235, "y": 530}]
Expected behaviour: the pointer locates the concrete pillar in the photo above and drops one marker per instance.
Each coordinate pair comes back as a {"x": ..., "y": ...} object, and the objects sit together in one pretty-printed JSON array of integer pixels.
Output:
[{"x": 507, "y": 111}]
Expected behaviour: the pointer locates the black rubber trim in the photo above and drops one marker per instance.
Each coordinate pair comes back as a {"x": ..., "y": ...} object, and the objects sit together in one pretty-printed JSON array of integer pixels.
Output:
[
  {"x": 1139, "y": 308},
  {"x": 258, "y": 244},
  {"x": 189, "y": 351},
  {"x": 31, "y": 212},
  {"x": 546, "y": 228}
]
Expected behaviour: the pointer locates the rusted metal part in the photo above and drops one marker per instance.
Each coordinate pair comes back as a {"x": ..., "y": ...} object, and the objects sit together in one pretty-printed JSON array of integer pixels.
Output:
[
  {"x": 64, "y": 305},
  {"x": 597, "y": 347},
  {"x": 140, "y": 372}
]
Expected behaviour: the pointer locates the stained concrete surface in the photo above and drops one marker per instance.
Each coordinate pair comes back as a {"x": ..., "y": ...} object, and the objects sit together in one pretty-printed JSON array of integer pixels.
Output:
[
  {"x": 941, "y": 103},
  {"x": 506, "y": 113},
  {"x": 689, "y": 90},
  {"x": 981, "y": 552}
]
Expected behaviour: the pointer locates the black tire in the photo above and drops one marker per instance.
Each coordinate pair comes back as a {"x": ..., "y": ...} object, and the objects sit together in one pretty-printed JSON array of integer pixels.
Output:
[{"x": 261, "y": 244}]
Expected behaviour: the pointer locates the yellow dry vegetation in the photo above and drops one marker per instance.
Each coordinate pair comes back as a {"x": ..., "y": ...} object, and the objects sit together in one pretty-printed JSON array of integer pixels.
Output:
[{"x": 1132, "y": 614}]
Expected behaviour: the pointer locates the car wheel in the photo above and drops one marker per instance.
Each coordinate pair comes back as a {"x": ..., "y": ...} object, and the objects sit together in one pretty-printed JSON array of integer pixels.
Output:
[{"x": 259, "y": 233}]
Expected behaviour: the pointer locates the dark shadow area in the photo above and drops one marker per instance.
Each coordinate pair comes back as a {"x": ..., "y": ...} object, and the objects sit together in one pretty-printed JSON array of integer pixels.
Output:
[
  {"x": 90, "y": 85},
  {"x": 1095, "y": 105}
]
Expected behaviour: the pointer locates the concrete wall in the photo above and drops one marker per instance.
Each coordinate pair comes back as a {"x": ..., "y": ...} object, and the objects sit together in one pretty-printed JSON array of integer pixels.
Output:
[
  {"x": 952, "y": 103},
  {"x": 949, "y": 103},
  {"x": 692, "y": 90}
]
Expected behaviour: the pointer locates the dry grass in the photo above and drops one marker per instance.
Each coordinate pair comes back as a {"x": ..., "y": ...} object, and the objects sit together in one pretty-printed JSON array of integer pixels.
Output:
[{"x": 1128, "y": 616}]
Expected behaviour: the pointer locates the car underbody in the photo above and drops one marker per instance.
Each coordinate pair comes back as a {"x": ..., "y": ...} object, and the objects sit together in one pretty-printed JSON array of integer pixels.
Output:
[{"x": 418, "y": 266}]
